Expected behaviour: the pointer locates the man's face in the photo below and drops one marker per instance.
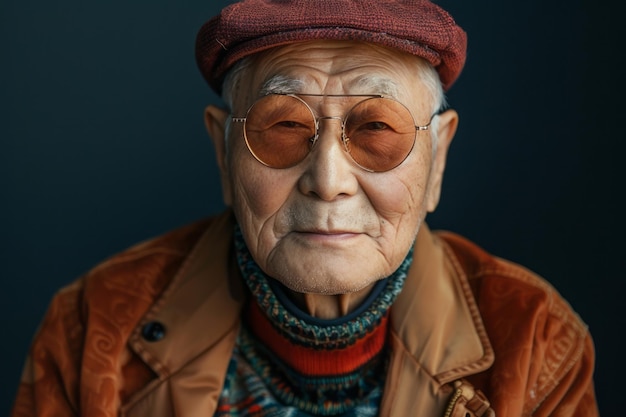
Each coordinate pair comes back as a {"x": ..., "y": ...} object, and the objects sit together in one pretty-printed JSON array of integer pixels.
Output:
[{"x": 326, "y": 225}]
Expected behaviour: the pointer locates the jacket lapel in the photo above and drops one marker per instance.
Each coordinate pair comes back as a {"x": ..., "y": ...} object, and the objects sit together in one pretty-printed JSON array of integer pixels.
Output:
[
  {"x": 200, "y": 314},
  {"x": 437, "y": 337}
]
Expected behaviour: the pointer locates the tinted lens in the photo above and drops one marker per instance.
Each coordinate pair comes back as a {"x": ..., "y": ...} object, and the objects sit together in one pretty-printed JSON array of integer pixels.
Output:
[
  {"x": 278, "y": 130},
  {"x": 379, "y": 133}
]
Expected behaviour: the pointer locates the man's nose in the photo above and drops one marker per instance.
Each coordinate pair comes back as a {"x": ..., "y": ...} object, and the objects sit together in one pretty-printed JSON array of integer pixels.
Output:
[{"x": 330, "y": 172}]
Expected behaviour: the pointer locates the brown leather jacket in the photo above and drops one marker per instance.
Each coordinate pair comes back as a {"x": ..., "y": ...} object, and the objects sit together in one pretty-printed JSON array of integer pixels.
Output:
[{"x": 463, "y": 319}]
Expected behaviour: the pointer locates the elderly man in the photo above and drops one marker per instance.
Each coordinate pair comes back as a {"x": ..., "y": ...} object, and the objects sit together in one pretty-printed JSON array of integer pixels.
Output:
[{"x": 321, "y": 291}]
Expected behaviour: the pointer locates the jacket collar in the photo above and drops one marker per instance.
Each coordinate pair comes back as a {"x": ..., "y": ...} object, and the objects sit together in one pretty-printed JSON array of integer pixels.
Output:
[
  {"x": 435, "y": 338},
  {"x": 200, "y": 306},
  {"x": 441, "y": 329}
]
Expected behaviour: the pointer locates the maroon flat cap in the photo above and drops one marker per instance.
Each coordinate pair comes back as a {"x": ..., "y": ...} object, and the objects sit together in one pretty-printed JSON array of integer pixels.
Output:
[{"x": 417, "y": 27}]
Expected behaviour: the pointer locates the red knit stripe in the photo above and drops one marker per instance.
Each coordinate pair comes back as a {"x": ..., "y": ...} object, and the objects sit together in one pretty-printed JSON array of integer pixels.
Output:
[
  {"x": 246, "y": 403},
  {"x": 312, "y": 362}
]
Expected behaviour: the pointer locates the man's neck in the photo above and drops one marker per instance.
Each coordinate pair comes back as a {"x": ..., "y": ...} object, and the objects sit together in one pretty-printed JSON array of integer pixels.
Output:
[{"x": 328, "y": 307}]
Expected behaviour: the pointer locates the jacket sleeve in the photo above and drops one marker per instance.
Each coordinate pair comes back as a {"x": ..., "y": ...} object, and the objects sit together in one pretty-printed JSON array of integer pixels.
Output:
[
  {"x": 544, "y": 354},
  {"x": 573, "y": 394},
  {"x": 80, "y": 362},
  {"x": 49, "y": 384}
]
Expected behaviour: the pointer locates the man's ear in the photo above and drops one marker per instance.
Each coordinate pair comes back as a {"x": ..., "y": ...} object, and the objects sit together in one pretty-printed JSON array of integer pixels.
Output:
[
  {"x": 446, "y": 128},
  {"x": 215, "y": 120}
]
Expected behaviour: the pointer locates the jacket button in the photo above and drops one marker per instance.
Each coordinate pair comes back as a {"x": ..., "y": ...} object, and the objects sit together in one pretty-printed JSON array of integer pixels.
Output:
[{"x": 153, "y": 331}]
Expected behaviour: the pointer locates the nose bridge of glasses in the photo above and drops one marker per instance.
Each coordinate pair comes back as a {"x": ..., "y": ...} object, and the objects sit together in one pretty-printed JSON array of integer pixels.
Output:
[
  {"x": 318, "y": 119},
  {"x": 330, "y": 118}
]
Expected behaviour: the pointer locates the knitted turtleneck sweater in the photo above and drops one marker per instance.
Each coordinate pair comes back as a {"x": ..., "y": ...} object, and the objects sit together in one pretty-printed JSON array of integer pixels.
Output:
[{"x": 288, "y": 363}]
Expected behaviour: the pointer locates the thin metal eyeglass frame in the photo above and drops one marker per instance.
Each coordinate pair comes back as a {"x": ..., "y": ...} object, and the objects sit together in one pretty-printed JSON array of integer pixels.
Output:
[{"x": 344, "y": 139}]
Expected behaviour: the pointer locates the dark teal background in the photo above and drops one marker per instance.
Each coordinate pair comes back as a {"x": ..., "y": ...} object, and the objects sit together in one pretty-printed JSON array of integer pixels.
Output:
[{"x": 103, "y": 145}]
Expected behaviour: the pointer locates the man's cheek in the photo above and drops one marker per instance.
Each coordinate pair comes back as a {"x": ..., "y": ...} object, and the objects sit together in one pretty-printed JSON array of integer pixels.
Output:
[
  {"x": 258, "y": 196},
  {"x": 397, "y": 201}
]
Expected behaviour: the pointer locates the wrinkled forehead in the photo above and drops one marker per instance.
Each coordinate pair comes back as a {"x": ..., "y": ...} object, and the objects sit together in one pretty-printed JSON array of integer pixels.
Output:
[{"x": 333, "y": 67}]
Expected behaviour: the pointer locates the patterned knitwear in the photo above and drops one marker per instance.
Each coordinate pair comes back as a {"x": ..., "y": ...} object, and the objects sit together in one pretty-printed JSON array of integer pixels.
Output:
[{"x": 288, "y": 363}]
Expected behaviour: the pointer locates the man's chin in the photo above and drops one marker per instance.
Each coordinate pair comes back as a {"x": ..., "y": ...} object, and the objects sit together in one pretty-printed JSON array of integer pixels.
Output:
[
  {"x": 326, "y": 270},
  {"x": 325, "y": 282}
]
